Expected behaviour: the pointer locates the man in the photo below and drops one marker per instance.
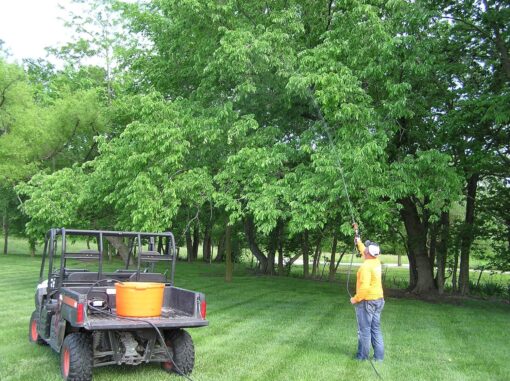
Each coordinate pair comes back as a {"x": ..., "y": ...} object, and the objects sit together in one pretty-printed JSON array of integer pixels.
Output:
[{"x": 369, "y": 300}]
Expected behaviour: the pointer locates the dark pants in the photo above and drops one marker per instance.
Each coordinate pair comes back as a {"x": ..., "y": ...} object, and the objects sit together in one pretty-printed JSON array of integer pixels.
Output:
[{"x": 368, "y": 315}]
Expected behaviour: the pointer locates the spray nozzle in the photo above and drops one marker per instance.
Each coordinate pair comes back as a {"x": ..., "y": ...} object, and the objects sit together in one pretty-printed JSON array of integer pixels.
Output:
[{"x": 355, "y": 227}]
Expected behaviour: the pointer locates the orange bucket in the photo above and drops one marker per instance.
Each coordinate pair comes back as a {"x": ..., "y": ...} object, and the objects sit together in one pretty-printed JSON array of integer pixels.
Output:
[{"x": 139, "y": 299}]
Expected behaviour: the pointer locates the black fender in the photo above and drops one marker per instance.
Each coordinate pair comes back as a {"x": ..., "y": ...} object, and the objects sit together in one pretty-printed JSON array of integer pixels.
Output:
[{"x": 58, "y": 332}]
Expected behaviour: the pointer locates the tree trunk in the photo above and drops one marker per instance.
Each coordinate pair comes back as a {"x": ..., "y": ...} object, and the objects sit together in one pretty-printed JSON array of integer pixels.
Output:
[
  {"x": 270, "y": 262},
  {"x": 332, "y": 269},
  {"x": 207, "y": 245},
  {"x": 454, "y": 270},
  {"x": 406, "y": 248},
  {"x": 271, "y": 252},
  {"x": 467, "y": 234},
  {"x": 280, "y": 257},
  {"x": 280, "y": 248},
  {"x": 433, "y": 245},
  {"x": 421, "y": 279},
  {"x": 316, "y": 256},
  {"x": 250, "y": 231},
  {"x": 221, "y": 249},
  {"x": 413, "y": 273},
  {"x": 274, "y": 243},
  {"x": 507, "y": 223},
  {"x": 505, "y": 60},
  {"x": 291, "y": 262},
  {"x": 109, "y": 252},
  {"x": 442, "y": 250},
  {"x": 5, "y": 228},
  {"x": 305, "y": 247},
  {"x": 120, "y": 246},
  {"x": 32, "y": 248},
  {"x": 189, "y": 246},
  {"x": 339, "y": 260},
  {"x": 228, "y": 254},
  {"x": 196, "y": 241}
]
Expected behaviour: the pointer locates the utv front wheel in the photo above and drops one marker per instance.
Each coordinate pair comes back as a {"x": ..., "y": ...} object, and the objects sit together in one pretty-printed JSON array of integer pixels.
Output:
[
  {"x": 33, "y": 335},
  {"x": 180, "y": 346},
  {"x": 76, "y": 357}
]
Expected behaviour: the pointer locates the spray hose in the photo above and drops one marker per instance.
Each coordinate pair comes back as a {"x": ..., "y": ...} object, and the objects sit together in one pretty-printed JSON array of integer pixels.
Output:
[
  {"x": 161, "y": 337},
  {"x": 346, "y": 190},
  {"x": 351, "y": 209}
]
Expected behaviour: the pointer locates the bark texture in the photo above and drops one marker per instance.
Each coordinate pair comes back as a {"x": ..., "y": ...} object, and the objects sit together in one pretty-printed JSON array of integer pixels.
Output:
[
  {"x": 467, "y": 234},
  {"x": 421, "y": 274}
]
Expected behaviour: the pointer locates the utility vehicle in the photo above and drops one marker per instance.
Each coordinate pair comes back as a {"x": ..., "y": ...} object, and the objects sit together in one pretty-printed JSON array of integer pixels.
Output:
[{"x": 76, "y": 311}]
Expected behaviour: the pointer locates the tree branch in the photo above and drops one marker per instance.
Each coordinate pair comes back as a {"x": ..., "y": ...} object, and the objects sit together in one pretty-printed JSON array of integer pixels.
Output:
[
  {"x": 87, "y": 156},
  {"x": 2, "y": 98},
  {"x": 475, "y": 27},
  {"x": 330, "y": 16},
  {"x": 190, "y": 221},
  {"x": 56, "y": 152},
  {"x": 241, "y": 11}
]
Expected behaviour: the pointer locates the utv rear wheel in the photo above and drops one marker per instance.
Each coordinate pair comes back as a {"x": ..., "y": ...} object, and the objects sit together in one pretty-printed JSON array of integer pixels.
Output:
[
  {"x": 76, "y": 357},
  {"x": 180, "y": 346},
  {"x": 33, "y": 335}
]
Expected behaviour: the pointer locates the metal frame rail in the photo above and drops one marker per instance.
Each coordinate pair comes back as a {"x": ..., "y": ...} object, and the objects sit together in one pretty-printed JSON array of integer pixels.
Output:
[{"x": 149, "y": 256}]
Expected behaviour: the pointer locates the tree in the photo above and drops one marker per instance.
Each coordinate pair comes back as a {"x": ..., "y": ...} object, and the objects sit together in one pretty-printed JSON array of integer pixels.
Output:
[
  {"x": 138, "y": 181},
  {"x": 294, "y": 118},
  {"x": 19, "y": 143},
  {"x": 282, "y": 52},
  {"x": 40, "y": 133},
  {"x": 476, "y": 118},
  {"x": 97, "y": 33},
  {"x": 493, "y": 222}
]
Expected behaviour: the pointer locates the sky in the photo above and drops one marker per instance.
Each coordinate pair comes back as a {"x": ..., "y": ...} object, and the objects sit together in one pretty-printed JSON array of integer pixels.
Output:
[{"x": 28, "y": 26}]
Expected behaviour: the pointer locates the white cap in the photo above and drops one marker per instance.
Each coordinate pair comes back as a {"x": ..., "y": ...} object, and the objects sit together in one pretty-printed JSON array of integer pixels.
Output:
[{"x": 374, "y": 249}]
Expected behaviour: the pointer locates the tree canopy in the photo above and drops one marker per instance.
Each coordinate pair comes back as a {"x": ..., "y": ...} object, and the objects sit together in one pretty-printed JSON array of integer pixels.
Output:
[{"x": 283, "y": 119}]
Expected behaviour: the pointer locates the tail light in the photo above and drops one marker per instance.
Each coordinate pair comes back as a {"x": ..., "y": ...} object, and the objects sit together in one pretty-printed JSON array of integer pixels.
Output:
[
  {"x": 80, "y": 312},
  {"x": 203, "y": 309}
]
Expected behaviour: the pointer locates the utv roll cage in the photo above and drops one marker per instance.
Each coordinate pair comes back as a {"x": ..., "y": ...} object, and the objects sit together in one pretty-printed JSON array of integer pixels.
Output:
[{"x": 144, "y": 248}]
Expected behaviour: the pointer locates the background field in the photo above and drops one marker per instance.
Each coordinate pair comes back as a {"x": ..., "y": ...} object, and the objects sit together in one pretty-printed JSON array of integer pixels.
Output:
[
  {"x": 484, "y": 283},
  {"x": 282, "y": 328}
]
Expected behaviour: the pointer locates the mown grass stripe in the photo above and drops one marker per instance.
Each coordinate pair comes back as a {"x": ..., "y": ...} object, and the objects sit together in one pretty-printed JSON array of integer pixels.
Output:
[{"x": 278, "y": 328}]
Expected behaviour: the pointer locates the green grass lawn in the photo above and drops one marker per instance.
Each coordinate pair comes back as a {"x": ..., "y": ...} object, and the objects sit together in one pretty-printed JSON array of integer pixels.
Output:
[{"x": 271, "y": 328}]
